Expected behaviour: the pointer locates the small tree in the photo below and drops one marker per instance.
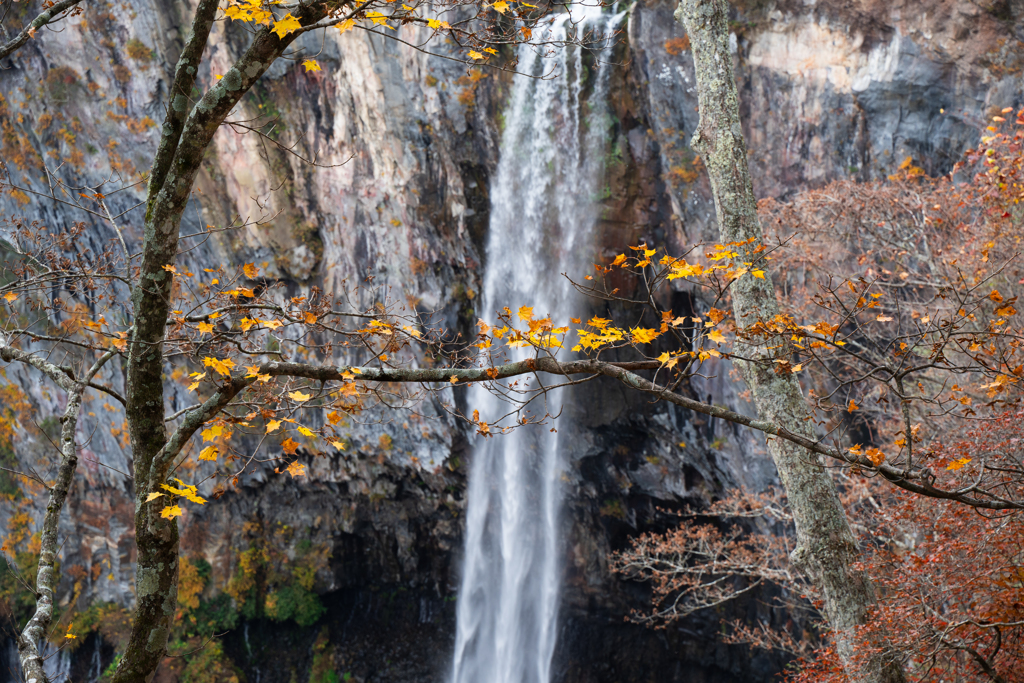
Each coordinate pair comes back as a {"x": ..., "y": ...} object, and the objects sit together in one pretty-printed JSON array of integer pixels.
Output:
[{"x": 912, "y": 363}]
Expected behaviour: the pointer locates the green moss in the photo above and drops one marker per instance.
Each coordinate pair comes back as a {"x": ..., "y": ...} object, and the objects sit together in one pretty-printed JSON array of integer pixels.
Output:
[
  {"x": 294, "y": 602},
  {"x": 269, "y": 584},
  {"x": 8, "y": 481},
  {"x": 613, "y": 508},
  {"x": 322, "y": 669},
  {"x": 139, "y": 51},
  {"x": 60, "y": 82}
]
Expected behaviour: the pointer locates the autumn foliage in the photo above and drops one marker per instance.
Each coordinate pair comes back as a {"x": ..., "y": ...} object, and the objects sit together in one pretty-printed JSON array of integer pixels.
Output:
[{"x": 913, "y": 358}]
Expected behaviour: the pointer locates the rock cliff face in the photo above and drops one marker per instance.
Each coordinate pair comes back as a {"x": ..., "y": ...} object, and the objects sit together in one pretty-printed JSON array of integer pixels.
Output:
[{"x": 405, "y": 145}]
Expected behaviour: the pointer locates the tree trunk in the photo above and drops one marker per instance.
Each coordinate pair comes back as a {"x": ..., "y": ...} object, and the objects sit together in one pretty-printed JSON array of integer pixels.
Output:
[
  {"x": 47, "y": 577},
  {"x": 186, "y": 135},
  {"x": 826, "y": 549}
]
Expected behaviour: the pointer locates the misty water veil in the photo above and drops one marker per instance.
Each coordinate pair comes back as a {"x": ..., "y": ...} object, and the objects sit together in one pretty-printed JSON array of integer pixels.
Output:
[{"x": 543, "y": 212}]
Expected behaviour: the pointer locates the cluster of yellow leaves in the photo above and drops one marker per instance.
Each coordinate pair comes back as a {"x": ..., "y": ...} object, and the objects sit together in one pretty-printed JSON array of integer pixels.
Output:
[
  {"x": 248, "y": 10},
  {"x": 540, "y": 332},
  {"x": 186, "y": 491},
  {"x": 680, "y": 268},
  {"x": 220, "y": 366},
  {"x": 604, "y": 333},
  {"x": 248, "y": 323},
  {"x": 875, "y": 455},
  {"x": 1000, "y": 383}
]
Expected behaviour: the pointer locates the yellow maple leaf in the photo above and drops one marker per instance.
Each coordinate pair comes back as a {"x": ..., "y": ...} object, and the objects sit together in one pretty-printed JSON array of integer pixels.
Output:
[
  {"x": 250, "y": 270},
  {"x": 271, "y": 324},
  {"x": 188, "y": 492},
  {"x": 453, "y": 379},
  {"x": 10, "y": 297},
  {"x": 346, "y": 25},
  {"x": 757, "y": 273},
  {"x": 526, "y": 313},
  {"x": 296, "y": 469},
  {"x": 378, "y": 19},
  {"x": 246, "y": 323},
  {"x": 473, "y": 54},
  {"x": 875, "y": 455},
  {"x": 310, "y": 318},
  {"x": 299, "y": 396},
  {"x": 339, "y": 445},
  {"x": 311, "y": 65},
  {"x": 716, "y": 336},
  {"x": 307, "y": 432},
  {"x": 170, "y": 512},
  {"x": 153, "y": 496},
  {"x": 437, "y": 23},
  {"x": 285, "y": 26},
  {"x": 619, "y": 260},
  {"x": 222, "y": 367},
  {"x": 206, "y": 328},
  {"x": 170, "y": 269},
  {"x": 643, "y": 335},
  {"x": 212, "y": 432},
  {"x": 273, "y": 426},
  {"x": 289, "y": 446},
  {"x": 957, "y": 464},
  {"x": 209, "y": 453},
  {"x": 500, "y": 6}
]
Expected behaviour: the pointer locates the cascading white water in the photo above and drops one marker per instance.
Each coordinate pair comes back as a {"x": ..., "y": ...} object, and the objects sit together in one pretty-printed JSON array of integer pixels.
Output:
[{"x": 543, "y": 211}]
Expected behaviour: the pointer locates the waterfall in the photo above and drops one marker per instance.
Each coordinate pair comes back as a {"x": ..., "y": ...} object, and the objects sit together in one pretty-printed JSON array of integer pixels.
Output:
[{"x": 543, "y": 211}]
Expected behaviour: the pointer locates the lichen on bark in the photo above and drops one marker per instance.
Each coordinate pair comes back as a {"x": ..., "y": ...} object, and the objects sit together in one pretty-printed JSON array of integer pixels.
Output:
[{"x": 826, "y": 549}]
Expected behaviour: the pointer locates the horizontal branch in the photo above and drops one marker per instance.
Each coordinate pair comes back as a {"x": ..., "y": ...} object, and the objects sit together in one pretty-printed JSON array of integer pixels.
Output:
[{"x": 624, "y": 372}]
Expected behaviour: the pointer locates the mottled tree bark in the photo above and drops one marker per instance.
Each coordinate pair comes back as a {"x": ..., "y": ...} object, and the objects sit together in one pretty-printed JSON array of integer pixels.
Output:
[
  {"x": 826, "y": 549},
  {"x": 46, "y": 577},
  {"x": 186, "y": 134}
]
